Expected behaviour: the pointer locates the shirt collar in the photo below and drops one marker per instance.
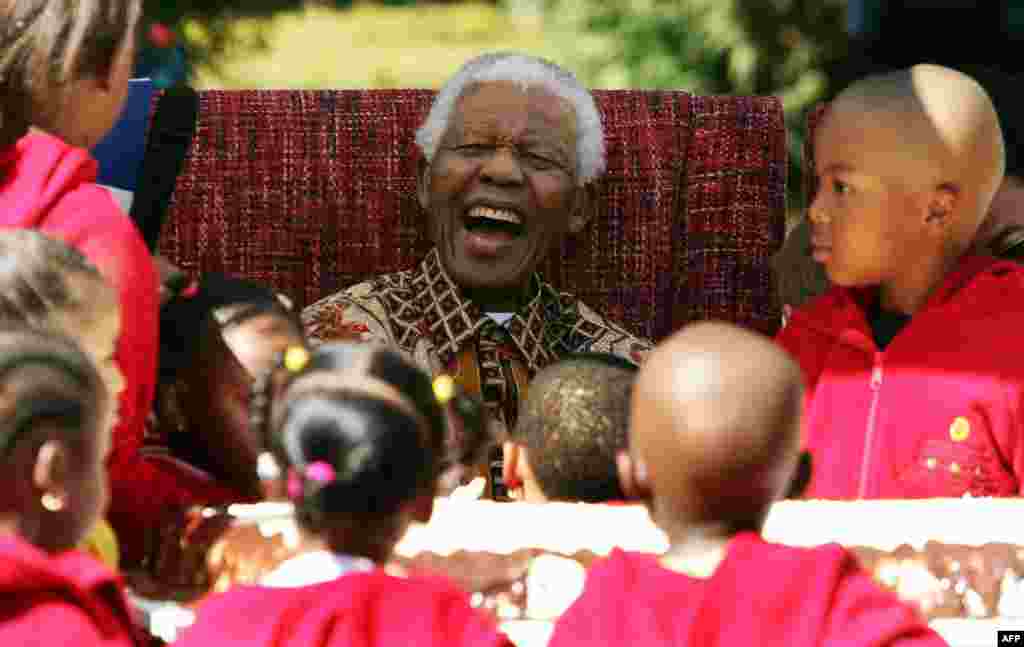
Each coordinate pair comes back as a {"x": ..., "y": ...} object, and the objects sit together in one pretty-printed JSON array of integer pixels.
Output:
[
  {"x": 451, "y": 319},
  {"x": 315, "y": 568}
]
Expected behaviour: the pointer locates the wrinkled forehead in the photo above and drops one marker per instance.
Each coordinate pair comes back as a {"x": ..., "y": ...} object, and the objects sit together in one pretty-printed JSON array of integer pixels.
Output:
[{"x": 513, "y": 107}]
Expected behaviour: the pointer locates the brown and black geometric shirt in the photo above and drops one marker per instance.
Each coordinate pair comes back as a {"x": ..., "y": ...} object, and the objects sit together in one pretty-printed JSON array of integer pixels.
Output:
[{"x": 423, "y": 312}]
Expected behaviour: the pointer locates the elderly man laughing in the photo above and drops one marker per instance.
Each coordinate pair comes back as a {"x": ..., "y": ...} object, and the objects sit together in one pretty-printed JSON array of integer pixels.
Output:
[{"x": 510, "y": 146}]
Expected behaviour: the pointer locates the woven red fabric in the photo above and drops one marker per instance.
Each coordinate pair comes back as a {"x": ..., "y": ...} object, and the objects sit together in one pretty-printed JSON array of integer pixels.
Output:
[
  {"x": 311, "y": 191},
  {"x": 810, "y": 180}
]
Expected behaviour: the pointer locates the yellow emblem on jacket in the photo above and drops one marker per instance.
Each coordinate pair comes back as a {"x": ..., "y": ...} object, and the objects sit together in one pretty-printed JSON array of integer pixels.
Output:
[{"x": 959, "y": 430}]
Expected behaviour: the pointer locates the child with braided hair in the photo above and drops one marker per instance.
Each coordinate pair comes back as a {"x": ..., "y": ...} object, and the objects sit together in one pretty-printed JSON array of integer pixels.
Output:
[
  {"x": 216, "y": 339},
  {"x": 359, "y": 451},
  {"x": 48, "y": 286},
  {"x": 64, "y": 72},
  {"x": 56, "y": 416}
]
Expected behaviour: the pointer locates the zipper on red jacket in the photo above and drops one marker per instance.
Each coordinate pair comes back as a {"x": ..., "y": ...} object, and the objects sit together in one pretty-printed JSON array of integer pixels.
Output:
[{"x": 869, "y": 436}]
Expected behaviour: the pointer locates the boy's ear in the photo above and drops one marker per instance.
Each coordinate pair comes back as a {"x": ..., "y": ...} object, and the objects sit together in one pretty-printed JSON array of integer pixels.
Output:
[
  {"x": 423, "y": 183},
  {"x": 50, "y": 472},
  {"x": 942, "y": 205},
  {"x": 633, "y": 477}
]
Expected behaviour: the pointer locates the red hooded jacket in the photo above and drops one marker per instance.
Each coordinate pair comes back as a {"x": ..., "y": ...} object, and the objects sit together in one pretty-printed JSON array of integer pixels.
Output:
[
  {"x": 69, "y": 599},
  {"x": 761, "y": 594},
  {"x": 356, "y": 610},
  {"x": 47, "y": 185},
  {"x": 939, "y": 412}
]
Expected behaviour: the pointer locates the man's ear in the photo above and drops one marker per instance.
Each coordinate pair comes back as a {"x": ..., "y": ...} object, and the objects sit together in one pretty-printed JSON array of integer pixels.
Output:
[
  {"x": 423, "y": 183},
  {"x": 633, "y": 477},
  {"x": 582, "y": 208},
  {"x": 942, "y": 204},
  {"x": 50, "y": 471}
]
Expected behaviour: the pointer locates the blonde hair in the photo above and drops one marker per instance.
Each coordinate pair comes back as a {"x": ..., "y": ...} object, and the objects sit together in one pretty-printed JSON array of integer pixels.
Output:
[{"x": 47, "y": 44}]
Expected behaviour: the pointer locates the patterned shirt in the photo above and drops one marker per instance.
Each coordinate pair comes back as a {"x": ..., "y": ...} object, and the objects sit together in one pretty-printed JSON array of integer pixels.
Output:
[{"x": 423, "y": 312}]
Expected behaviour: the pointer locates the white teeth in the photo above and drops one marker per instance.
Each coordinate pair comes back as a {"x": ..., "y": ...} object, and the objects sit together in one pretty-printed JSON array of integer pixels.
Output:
[{"x": 495, "y": 214}]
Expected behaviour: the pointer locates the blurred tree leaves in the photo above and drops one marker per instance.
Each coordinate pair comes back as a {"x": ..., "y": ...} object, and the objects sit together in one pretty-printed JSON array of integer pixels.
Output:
[
  {"x": 774, "y": 47},
  {"x": 206, "y": 27}
]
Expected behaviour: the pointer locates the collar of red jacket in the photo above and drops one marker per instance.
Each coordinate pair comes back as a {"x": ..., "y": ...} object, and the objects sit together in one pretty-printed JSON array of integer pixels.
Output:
[{"x": 980, "y": 284}]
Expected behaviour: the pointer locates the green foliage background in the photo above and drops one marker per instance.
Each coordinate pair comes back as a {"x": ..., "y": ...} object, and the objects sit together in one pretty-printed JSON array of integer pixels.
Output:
[{"x": 785, "y": 48}]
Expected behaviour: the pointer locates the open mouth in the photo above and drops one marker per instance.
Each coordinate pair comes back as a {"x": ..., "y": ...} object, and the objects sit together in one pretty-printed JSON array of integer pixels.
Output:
[{"x": 490, "y": 220}]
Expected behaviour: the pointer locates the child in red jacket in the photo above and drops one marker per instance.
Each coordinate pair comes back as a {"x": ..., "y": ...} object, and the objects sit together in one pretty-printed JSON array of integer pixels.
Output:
[
  {"x": 55, "y": 420},
  {"x": 359, "y": 436},
  {"x": 913, "y": 388},
  {"x": 64, "y": 73},
  {"x": 713, "y": 443}
]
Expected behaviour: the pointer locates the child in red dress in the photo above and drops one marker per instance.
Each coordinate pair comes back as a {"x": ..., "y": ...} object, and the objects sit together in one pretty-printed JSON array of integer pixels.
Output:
[
  {"x": 360, "y": 452},
  {"x": 64, "y": 73},
  {"x": 216, "y": 339},
  {"x": 50, "y": 287},
  {"x": 713, "y": 443},
  {"x": 55, "y": 421}
]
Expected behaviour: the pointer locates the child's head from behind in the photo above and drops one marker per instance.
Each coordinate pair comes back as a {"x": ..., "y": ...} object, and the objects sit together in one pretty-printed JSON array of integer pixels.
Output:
[
  {"x": 65, "y": 66},
  {"x": 55, "y": 421},
  {"x": 215, "y": 341},
  {"x": 360, "y": 433},
  {"x": 715, "y": 429},
  {"x": 907, "y": 166},
  {"x": 49, "y": 286},
  {"x": 571, "y": 426}
]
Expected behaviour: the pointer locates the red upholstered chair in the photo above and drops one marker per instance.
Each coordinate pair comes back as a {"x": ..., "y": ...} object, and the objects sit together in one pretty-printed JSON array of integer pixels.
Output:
[
  {"x": 810, "y": 181},
  {"x": 311, "y": 191}
]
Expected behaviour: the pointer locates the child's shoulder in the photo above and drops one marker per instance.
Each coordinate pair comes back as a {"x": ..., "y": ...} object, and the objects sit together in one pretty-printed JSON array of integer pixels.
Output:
[
  {"x": 825, "y": 313},
  {"x": 71, "y": 591},
  {"x": 359, "y": 607},
  {"x": 350, "y": 591},
  {"x": 995, "y": 278}
]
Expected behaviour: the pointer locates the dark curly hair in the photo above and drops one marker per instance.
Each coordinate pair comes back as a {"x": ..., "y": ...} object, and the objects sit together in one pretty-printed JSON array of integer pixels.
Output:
[{"x": 573, "y": 424}]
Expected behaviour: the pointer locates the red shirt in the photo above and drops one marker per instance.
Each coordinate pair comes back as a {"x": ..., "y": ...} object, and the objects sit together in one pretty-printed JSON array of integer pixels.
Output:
[
  {"x": 761, "y": 594},
  {"x": 68, "y": 599},
  {"x": 938, "y": 413},
  {"x": 47, "y": 185},
  {"x": 366, "y": 609}
]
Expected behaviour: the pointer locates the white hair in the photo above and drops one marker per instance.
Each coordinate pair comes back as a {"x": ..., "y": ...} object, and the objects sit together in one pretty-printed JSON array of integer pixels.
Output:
[{"x": 529, "y": 71}]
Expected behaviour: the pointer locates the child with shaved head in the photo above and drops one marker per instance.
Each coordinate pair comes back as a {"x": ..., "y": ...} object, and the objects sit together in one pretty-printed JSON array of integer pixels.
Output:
[
  {"x": 911, "y": 390},
  {"x": 714, "y": 441}
]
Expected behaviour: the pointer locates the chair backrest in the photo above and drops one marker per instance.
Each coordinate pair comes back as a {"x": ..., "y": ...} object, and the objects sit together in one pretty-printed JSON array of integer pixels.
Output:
[
  {"x": 810, "y": 180},
  {"x": 311, "y": 191},
  {"x": 121, "y": 151}
]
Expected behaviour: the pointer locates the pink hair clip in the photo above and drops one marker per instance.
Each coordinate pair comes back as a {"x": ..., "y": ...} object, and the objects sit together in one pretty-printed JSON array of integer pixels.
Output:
[{"x": 319, "y": 472}]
